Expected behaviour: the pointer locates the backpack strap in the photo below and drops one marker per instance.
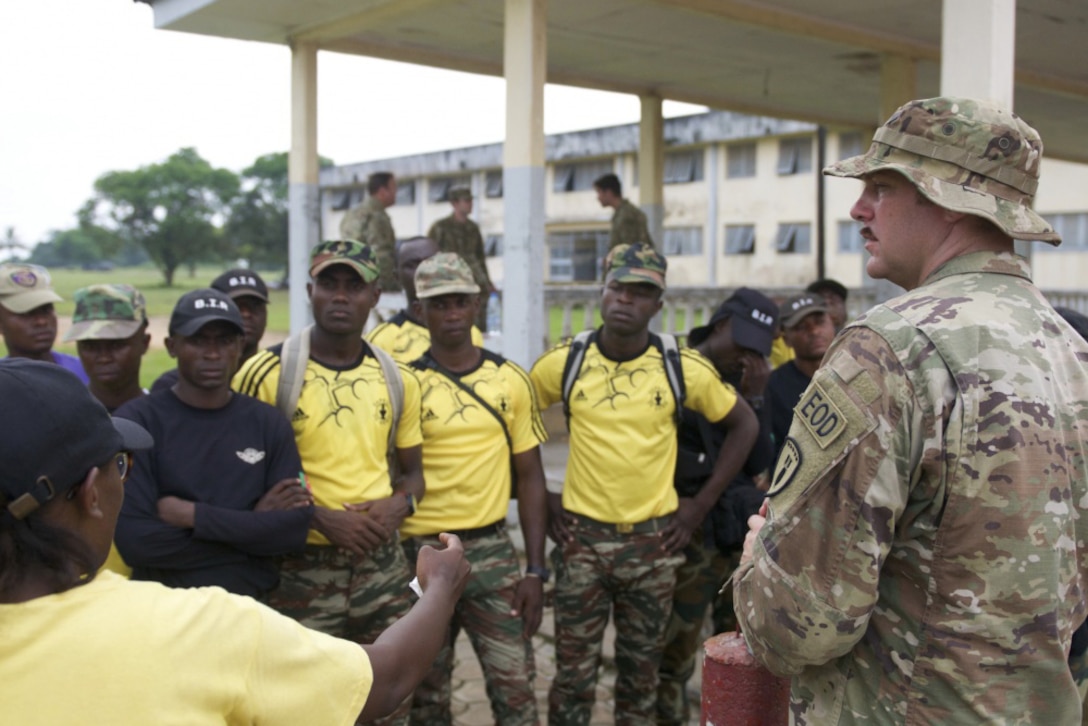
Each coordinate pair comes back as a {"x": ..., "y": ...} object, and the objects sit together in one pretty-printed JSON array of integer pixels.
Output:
[
  {"x": 573, "y": 366},
  {"x": 293, "y": 356},
  {"x": 395, "y": 384},
  {"x": 674, "y": 370}
]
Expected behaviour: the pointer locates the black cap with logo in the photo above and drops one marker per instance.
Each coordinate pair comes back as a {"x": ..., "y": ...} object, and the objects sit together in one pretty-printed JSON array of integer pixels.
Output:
[
  {"x": 197, "y": 308},
  {"x": 240, "y": 282},
  {"x": 754, "y": 318}
]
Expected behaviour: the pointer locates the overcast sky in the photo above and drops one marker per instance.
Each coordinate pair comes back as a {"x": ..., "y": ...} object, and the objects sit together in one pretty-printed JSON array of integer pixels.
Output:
[{"x": 89, "y": 86}]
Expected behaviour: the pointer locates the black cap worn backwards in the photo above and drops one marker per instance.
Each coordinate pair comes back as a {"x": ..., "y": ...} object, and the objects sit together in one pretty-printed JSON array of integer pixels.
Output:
[
  {"x": 53, "y": 433},
  {"x": 240, "y": 282},
  {"x": 754, "y": 318},
  {"x": 197, "y": 308}
]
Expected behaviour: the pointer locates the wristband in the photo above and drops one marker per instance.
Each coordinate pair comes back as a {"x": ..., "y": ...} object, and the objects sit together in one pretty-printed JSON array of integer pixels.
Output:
[
  {"x": 411, "y": 502},
  {"x": 542, "y": 572}
]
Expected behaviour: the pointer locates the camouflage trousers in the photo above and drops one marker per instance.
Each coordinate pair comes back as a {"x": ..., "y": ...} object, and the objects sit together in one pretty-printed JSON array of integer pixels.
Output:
[
  {"x": 505, "y": 654},
  {"x": 331, "y": 590},
  {"x": 698, "y": 581},
  {"x": 629, "y": 575}
]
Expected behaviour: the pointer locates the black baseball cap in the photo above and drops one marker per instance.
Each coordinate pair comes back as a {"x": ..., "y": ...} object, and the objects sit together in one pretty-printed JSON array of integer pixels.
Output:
[
  {"x": 241, "y": 282},
  {"x": 55, "y": 432},
  {"x": 754, "y": 318},
  {"x": 197, "y": 308},
  {"x": 799, "y": 307},
  {"x": 828, "y": 285}
]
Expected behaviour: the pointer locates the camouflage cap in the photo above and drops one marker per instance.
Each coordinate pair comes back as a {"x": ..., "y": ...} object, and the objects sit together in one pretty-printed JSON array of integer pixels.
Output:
[
  {"x": 444, "y": 274},
  {"x": 458, "y": 193},
  {"x": 965, "y": 155},
  {"x": 636, "y": 263},
  {"x": 356, "y": 255},
  {"x": 24, "y": 287},
  {"x": 107, "y": 312}
]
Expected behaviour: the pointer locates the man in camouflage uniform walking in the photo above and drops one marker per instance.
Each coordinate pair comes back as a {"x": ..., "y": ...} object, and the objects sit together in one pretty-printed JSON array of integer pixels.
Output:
[
  {"x": 619, "y": 525},
  {"x": 461, "y": 236},
  {"x": 473, "y": 444},
  {"x": 923, "y": 558},
  {"x": 629, "y": 225},
  {"x": 368, "y": 223}
]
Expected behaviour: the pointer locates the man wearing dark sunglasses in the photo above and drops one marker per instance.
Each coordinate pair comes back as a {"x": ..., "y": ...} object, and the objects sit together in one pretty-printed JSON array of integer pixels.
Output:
[{"x": 220, "y": 498}]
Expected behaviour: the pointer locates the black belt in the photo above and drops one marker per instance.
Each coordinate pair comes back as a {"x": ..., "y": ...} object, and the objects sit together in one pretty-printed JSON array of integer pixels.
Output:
[
  {"x": 477, "y": 532},
  {"x": 645, "y": 527}
]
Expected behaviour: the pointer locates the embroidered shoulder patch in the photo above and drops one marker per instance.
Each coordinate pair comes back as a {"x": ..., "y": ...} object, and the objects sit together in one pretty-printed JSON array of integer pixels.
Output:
[
  {"x": 819, "y": 414},
  {"x": 789, "y": 463}
]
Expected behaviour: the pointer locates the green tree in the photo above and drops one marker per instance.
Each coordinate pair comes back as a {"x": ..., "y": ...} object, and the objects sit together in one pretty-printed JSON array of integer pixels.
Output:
[
  {"x": 170, "y": 209},
  {"x": 257, "y": 228},
  {"x": 66, "y": 248},
  {"x": 11, "y": 243}
]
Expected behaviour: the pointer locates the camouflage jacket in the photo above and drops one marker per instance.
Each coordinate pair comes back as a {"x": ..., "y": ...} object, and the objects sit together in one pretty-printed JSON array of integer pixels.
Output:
[
  {"x": 464, "y": 239},
  {"x": 629, "y": 226},
  {"x": 924, "y": 556},
  {"x": 369, "y": 223}
]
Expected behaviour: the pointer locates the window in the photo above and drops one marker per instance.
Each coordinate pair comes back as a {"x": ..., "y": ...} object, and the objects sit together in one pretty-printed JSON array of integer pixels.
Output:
[
  {"x": 683, "y": 241},
  {"x": 849, "y": 144},
  {"x": 850, "y": 236},
  {"x": 793, "y": 239},
  {"x": 740, "y": 161},
  {"x": 493, "y": 185},
  {"x": 576, "y": 255},
  {"x": 795, "y": 156},
  {"x": 493, "y": 245},
  {"x": 1072, "y": 227},
  {"x": 740, "y": 239},
  {"x": 682, "y": 167},
  {"x": 406, "y": 193},
  {"x": 438, "y": 189},
  {"x": 579, "y": 176}
]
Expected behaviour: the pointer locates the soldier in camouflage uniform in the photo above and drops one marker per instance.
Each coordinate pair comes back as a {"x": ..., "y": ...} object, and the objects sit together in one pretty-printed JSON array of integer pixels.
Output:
[
  {"x": 368, "y": 223},
  {"x": 923, "y": 559},
  {"x": 471, "y": 449},
  {"x": 460, "y": 235},
  {"x": 109, "y": 328},
  {"x": 619, "y": 524},
  {"x": 628, "y": 221}
]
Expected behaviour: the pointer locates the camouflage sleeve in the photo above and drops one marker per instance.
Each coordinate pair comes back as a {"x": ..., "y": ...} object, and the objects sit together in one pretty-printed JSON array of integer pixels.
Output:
[
  {"x": 477, "y": 260},
  {"x": 629, "y": 227},
  {"x": 351, "y": 226},
  {"x": 841, "y": 485},
  {"x": 379, "y": 235}
]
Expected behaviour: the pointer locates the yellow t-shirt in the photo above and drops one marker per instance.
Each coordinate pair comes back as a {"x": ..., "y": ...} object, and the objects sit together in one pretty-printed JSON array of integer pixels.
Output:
[
  {"x": 623, "y": 430},
  {"x": 341, "y": 425},
  {"x": 115, "y": 563},
  {"x": 466, "y": 460},
  {"x": 405, "y": 340},
  {"x": 781, "y": 352},
  {"x": 129, "y": 653}
]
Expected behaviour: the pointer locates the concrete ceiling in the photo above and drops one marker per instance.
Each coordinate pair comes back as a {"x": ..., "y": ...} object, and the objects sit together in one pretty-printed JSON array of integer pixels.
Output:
[{"x": 798, "y": 59}]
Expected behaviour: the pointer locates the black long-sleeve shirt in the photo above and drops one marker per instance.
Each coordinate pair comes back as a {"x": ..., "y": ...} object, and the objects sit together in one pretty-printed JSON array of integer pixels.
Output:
[{"x": 224, "y": 460}]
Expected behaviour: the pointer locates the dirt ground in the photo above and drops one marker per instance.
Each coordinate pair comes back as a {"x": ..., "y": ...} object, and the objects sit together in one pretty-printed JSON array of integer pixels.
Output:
[{"x": 158, "y": 326}]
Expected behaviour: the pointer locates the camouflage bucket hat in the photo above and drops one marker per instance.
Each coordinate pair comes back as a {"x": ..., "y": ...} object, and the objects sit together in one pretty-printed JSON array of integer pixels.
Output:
[
  {"x": 107, "y": 312},
  {"x": 636, "y": 263},
  {"x": 24, "y": 287},
  {"x": 965, "y": 155},
  {"x": 444, "y": 274},
  {"x": 352, "y": 253}
]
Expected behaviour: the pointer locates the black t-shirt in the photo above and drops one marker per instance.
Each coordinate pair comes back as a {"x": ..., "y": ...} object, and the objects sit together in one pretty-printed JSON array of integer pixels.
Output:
[
  {"x": 784, "y": 390},
  {"x": 224, "y": 460}
]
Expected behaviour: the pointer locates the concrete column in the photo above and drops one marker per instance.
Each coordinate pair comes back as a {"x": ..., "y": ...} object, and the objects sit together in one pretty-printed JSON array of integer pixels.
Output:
[
  {"x": 525, "y": 61},
  {"x": 304, "y": 226},
  {"x": 898, "y": 84},
  {"x": 978, "y": 49},
  {"x": 710, "y": 237},
  {"x": 651, "y": 167}
]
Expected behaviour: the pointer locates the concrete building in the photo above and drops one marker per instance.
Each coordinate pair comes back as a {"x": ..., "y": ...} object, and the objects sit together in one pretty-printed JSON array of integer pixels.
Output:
[{"x": 740, "y": 202}]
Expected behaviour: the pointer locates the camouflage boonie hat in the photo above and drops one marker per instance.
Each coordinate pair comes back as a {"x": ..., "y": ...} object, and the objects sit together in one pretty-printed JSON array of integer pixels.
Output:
[
  {"x": 354, "y": 254},
  {"x": 636, "y": 263},
  {"x": 458, "y": 193},
  {"x": 965, "y": 155},
  {"x": 24, "y": 287},
  {"x": 444, "y": 274},
  {"x": 107, "y": 312}
]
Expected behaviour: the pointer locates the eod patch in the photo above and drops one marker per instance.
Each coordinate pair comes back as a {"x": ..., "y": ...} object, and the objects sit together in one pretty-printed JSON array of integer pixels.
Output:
[{"x": 820, "y": 416}]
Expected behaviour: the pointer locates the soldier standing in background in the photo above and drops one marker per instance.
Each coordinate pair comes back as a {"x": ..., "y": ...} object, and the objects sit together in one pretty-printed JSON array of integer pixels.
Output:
[
  {"x": 460, "y": 235},
  {"x": 628, "y": 221},
  {"x": 923, "y": 557},
  {"x": 368, "y": 223}
]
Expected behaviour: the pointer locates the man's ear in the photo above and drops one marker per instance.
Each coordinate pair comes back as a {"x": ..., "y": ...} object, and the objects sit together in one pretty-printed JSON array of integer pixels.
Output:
[
  {"x": 87, "y": 495},
  {"x": 170, "y": 342}
]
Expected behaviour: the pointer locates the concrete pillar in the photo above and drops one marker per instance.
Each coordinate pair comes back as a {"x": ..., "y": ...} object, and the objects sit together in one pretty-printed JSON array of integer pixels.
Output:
[
  {"x": 304, "y": 225},
  {"x": 978, "y": 49},
  {"x": 651, "y": 167},
  {"x": 525, "y": 61},
  {"x": 710, "y": 236},
  {"x": 898, "y": 84}
]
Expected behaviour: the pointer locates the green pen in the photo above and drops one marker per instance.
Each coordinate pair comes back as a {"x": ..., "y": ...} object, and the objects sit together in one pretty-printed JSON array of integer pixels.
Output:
[{"x": 302, "y": 481}]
